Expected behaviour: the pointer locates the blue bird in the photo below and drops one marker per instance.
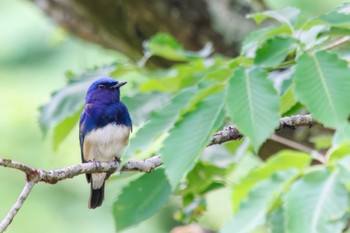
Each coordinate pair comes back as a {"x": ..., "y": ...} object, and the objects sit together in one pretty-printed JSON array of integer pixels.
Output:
[{"x": 104, "y": 129}]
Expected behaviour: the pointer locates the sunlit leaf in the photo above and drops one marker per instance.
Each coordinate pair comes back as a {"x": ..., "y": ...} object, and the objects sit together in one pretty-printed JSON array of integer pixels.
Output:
[
  {"x": 165, "y": 46},
  {"x": 141, "y": 199},
  {"x": 287, "y": 101},
  {"x": 253, "y": 105},
  {"x": 322, "y": 83},
  {"x": 175, "y": 78},
  {"x": 285, "y": 16},
  {"x": 251, "y": 42},
  {"x": 274, "y": 51},
  {"x": 189, "y": 137},
  {"x": 339, "y": 153},
  {"x": 316, "y": 203},
  {"x": 252, "y": 212},
  {"x": 322, "y": 141},
  {"x": 281, "y": 161},
  {"x": 311, "y": 37}
]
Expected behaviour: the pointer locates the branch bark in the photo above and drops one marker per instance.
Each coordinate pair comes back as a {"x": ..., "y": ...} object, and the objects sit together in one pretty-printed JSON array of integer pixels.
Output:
[
  {"x": 15, "y": 208},
  {"x": 51, "y": 177}
]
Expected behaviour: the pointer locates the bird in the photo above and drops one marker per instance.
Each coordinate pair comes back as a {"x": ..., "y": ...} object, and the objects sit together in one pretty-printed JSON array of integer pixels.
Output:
[{"x": 104, "y": 129}]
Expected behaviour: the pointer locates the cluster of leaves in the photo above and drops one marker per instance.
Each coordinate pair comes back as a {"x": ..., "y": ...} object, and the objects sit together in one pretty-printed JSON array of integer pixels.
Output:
[{"x": 281, "y": 70}]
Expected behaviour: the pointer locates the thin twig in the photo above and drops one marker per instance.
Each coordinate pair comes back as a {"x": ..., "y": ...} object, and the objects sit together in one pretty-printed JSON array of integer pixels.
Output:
[
  {"x": 337, "y": 43},
  {"x": 15, "y": 208},
  {"x": 231, "y": 133},
  {"x": 292, "y": 144}
]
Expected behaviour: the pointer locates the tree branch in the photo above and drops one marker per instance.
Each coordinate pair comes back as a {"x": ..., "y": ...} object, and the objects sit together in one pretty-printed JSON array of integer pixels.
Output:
[
  {"x": 230, "y": 133},
  {"x": 51, "y": 177},
  {"x": 15, "y": 208}
]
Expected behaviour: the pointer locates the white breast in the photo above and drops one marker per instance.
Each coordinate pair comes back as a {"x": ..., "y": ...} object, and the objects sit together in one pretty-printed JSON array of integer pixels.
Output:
[{"x": 107, "y": 143}]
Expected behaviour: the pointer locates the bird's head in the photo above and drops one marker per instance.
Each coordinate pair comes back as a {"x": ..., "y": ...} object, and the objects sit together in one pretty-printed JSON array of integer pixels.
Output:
[{"x": 104, "y": 90}]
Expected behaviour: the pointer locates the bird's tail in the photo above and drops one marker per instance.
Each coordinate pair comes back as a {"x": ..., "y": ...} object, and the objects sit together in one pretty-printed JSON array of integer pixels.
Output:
[{"x": 97, "y": 192}]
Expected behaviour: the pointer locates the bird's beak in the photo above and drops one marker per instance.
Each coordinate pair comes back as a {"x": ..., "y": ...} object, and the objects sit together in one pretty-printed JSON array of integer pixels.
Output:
[{"x": 119, "y": 85}]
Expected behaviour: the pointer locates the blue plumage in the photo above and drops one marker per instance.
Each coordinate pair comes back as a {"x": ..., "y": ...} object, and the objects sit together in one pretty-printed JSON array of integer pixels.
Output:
[{"x": 104, "y": 129}]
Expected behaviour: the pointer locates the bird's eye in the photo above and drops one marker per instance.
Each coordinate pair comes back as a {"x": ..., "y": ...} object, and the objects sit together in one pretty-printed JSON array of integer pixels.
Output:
[{"x": 101, "y": 86}]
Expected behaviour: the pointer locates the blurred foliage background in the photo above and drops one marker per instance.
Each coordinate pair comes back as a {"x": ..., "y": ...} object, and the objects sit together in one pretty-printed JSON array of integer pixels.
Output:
[{"x": 34, "y": 57}]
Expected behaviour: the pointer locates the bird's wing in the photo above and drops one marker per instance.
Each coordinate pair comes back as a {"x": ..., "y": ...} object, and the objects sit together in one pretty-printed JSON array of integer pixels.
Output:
[{"x": 82, "y": 133}]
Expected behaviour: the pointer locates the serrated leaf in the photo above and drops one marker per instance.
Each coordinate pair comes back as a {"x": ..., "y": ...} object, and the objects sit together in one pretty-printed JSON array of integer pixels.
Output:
[
  {"x": 322, "y": 83},
  {"x": 274, "y": 51},
  {"x": 160, "y": 122},
  {"x": 253, "y": 210},
  {"x": 281, "y": 161},
  {"x": 253, "y": 104},
  {"x": 339, "y": 17},
  {"x": 255, "y": 38},
  {"x": 141, "y": 199},
  {"x": 189, "y": 137},
  {"x": 316, "y": 203},
  {"x": 311, "y": 37},
  {"x": 285, "y": 16}
]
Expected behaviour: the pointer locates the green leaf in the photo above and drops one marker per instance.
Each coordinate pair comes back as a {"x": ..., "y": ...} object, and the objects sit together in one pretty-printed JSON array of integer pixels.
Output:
[
  {"x": 313, "y": 36},
  {"x": 322, "y": 83},
  {"x": 176, "y": 78},
  {"x": 285, "y": 16},
  {"x": 287, "y": 100},
  {"x": 281, "y": 161},
  {"x": 342, "y": 135},
  {"x": 253, "y": 210},
  {"x": 200, "y": 179},
  {"x": 253, "y": 104},
  {"x": 62, "y": 129},
  {"x": 344, "y": 170},
  {"x": 141, "y": 199},
  {"x": 321, "y": 141},
  {"x": 160, "y": 122},
  {"x": 339, "y": 17},
  {"x": 316, "y": 203},
  {"x": 67, "y": 101},
  {"x": 338, "y": 153},
  {"x": 189, "y": 137},
  {"x": 255, "y": 38},
  {"x": 165, "y": 46},
  {"x": 274, "y": 51},
  {"x": 276, "y": 221}
]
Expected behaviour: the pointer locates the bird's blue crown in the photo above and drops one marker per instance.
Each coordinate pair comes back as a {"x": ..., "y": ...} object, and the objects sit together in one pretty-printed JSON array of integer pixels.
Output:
[{"x": 104, "y": 90}]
